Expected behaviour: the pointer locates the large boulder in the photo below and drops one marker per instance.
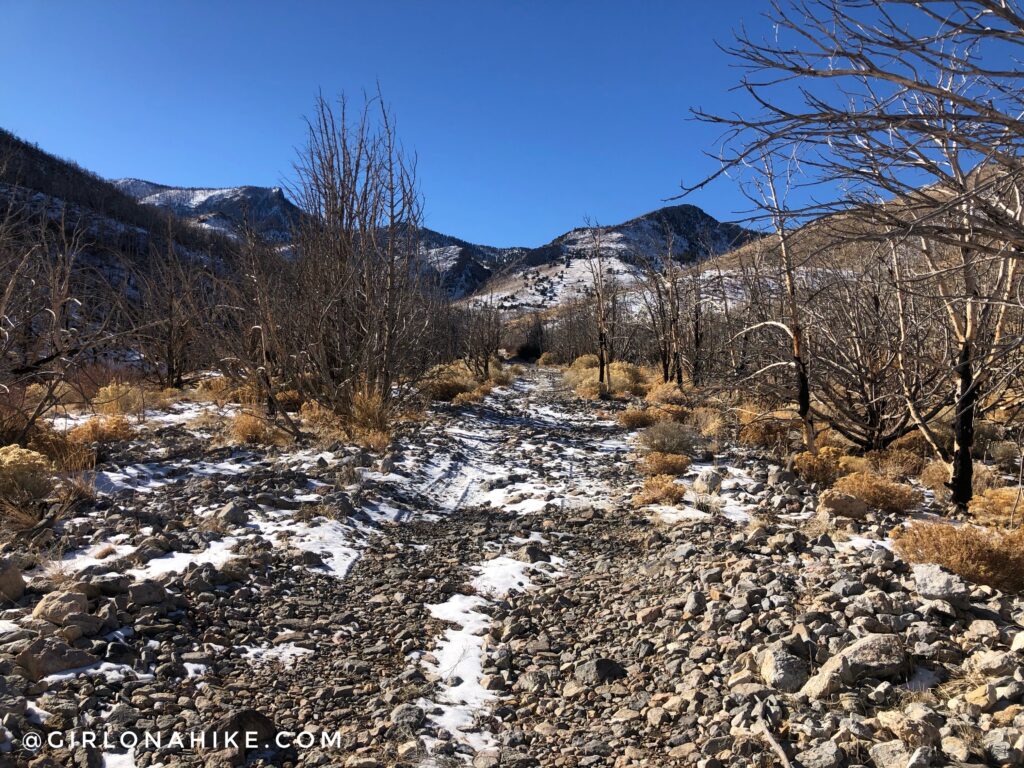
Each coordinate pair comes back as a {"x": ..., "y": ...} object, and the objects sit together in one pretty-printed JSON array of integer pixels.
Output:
[
  {"x": 57, "y": 606},
  {"x": 599, "y": 671},
  {"x": 878, "y": 656},
  {"x": 709, "y": 481},
  {"x": 936, "y": 583},
  {"x": 50, "y": 656},
  {"x": 782, "y": 670}
]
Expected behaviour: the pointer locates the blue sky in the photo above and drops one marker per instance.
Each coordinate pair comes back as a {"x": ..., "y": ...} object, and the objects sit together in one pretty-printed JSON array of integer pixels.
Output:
[{"x": 526, "y": 117}]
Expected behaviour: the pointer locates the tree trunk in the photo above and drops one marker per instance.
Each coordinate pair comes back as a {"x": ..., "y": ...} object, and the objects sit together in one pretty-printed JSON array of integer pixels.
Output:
[{"x": 962, "y": 478}]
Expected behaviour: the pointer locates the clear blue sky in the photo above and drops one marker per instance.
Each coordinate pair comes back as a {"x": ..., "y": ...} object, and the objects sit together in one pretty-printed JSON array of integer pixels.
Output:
[{"x": 526, "y": 117}]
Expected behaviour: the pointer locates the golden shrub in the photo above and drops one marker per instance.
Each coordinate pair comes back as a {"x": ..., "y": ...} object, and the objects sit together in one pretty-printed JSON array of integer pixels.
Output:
[
  {"x": 103, "y": 429},
  {"x": 118, "y": 398},
  {"x": 981, "y": 555},
  {"x": 936, "y": 474},
  {"x": 475, "y": 395},
  {"x": 369, "y": 411},
  {"x": 821, "y": 468},
  {"x": 709, "y": 422},
  {"x": 24, "y": 474},
  {"x": 290, "y": 400},
  {"x": 627, "y": 378},
  {"x": 669, "y": 437},
  {"x": 915, "y": 442},
  {"x": 667, "y": 393},
  {"x": 584, "y": 362},
  {"x": 251, "y": 429},
  {"x": 657, "y": 463},
  {"x": 998, "y": 506},
  {"x": 548, "y": 359},
  {"x": 637, "y": 418},
  {"x": 848, "y": 464},
  {"x": 660, "y": 489},
  {"x": 879, "y": 492},
  {"x": 376, "y": 440},
  {"x": 1006, "y": 454},
  {"x": 896, "y": 463},
  {"x": 502, "y": 377}
]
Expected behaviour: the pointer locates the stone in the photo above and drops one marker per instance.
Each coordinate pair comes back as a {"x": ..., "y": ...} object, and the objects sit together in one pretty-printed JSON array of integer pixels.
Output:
[
  {"x": 531, "y": 553},
  {"x": 57, "y": 606},
  {"x": 146, "y": 593},
  {"x": 824, "y": 755},
  {"x": 233, "y": 513},
  {"x": 648, "y": 615},
  {"x": 408, "y": 715},
  {"x": 49, "y": 656},
  {"x": 889, "y": 754},
  {"x": 835, "y": 503},
  {"x": 709, "y": 481},
  {"x": 599, "y": 671},
  {"x": 879, "y": 656},
  {"x": 936, "y": 583},
  {"x": 782, "y": 670},
  {"x": 532, "y": 682}
]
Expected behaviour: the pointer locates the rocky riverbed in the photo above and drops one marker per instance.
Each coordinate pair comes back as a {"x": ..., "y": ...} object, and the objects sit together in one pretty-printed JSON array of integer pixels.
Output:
[{"x": 485, "y": 594}]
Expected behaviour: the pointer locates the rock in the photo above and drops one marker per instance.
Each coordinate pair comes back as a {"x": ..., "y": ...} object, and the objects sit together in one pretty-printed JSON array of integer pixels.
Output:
[
  {"x": 145, "y": 593},
  {"x": 709, "y": 481},
  {"x": 648, "y": 615},
  {"x": 936, "y": 583},
  {"x": 598, "y": 672},
  {"x": 889, "y": 754},
  {"x": 233, "y": 513},
  {"x": 1001, "y": 745},
  {"x": 57, "y": 606},
  {"x": 408, "y": 715},
  {"x": 834, "y": 503},
  {"x": 247, "y": 725},
  {"x": 48, "y": 656},
  {"x": 12, "y": 583},
  {"x": 824, "y": 755},
  {"x": 879, "y": 656},
  {"x": 992, "y": 663},
  {"x": 531, "y": 553},
  {"x": 532, "y": 682},
  {"x": 782, "y": 670}
]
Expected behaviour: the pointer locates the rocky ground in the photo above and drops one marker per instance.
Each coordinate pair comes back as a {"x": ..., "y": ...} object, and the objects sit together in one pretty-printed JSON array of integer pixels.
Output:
[{"x": 486, "y": 595}]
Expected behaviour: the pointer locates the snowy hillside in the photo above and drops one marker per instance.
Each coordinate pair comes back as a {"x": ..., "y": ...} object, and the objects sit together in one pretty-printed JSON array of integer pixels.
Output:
[{"x": 224, "y": 210}]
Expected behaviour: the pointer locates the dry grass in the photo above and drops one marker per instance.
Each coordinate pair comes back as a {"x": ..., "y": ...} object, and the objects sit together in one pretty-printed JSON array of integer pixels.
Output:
[
  {"x": 821, "y": 468},
  {"x": 667, "y": 393},
  {"x": 637, "y": 418},
  {"x": 657, "y": 463},
  {"x": 105, "y": 429},
  {"x": 998, "y": 506},
  {"x": 24, "y": 475},
  {"x": 79, "y": 486},
  {"x": 670, "y": 437},
  {"x": 446, "y": 382},
  {"x": 376, "y": 440},
  {"x": 369, "y": 412},
  {"x": 709, "y": 421},
  {"x": 879, "y": 492},
  {"x": 474, "y": 395},
  {"x": 984, "y": 556},
  {"x": 1006, "y": 454},
  {"x": 915, "y": 442},
  {"x": 105, "y": 551},
  {"x": 119, "y": 398},
  {"x": 67, "y": 454},
  {"x": 896, "y": 463},
  {"x": 548, "y": 359},
  {"x": 290, "y": 400},
  {"x": 935, "y": 475},
  {"x": 621, "y": 379},
  {"x": 660, "y": 489},
  {"x": 250, "y": 429},
  {"x": 850, "y": 464},
  {"x": 761, "y": 427}
]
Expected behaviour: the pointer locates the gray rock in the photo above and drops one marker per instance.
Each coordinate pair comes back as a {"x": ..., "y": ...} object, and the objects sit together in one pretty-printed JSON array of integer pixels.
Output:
[
  {"x": 880, "y": 656},
  {"x": 57, "y": 606},
  {"x": 12, "y": 583},
  {"x": 782, "y": 670},
  {"x": 936, "y": 583},
  {"x": 824, "y": 755},
  {"x": 408, "y": 715},
  {"x": 599, "y": 671},
  {"x": 708, "y": 481}
]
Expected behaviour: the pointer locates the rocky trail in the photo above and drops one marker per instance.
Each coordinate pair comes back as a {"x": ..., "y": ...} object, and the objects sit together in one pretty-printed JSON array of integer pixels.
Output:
[{"x": 486, "y": 595}]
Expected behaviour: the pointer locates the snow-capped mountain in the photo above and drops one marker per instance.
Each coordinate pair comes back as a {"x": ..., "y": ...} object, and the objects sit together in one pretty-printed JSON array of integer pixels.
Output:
[
  {"x": 224, "y": 210},
  {"x": 517, "y": 278}
]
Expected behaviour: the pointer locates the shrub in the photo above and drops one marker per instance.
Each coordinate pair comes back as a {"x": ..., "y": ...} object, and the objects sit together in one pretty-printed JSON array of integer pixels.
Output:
[
  {"x": 915, "y": 442},
  {"x": 637, "y": 418},
  {"x": 117, "y": 398},
  {"x": 548, "y": 358},
  {"x": 447, "y": 389},
  {"x": 660, "y": 489},
  {"x": 376, "y": 440},
  {"x": 624, "y": 377},
  {"x": 849, "y": 464},
  {"x": 896, "y": 463},
  {"x": 669, "y": 437},
  {"x": 986, "y": 434},
  {"x": 667, "y": 393},
  {"x": 251, "y": 429},
  {"x": 1006, "y": 454},
  {"x": 879, "y": 492},
  {"x": 290, "y": 400},
  {"x": 998, "y": 506},
  {"x": 585, "y": 362},
  {"x": 709, "y": 422},
  {"x": 935, "y": 475},
  {"x": 502, "y": 377},
  {"x": 475, "y": 395},
  {"x": 369, "y": 411},
  {"x": 822, "y": 468},
  {"x": 66, "y": 454},
  {"x": 24, "y": 475},
  {"x": 657, "y": 463},
  {"x": 104, "y": 429},
  {"x": 981, "y": 555},
  {"x": 317, "y": 416}
]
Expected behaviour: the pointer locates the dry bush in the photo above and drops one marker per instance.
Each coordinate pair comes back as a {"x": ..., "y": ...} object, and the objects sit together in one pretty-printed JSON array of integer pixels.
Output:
[
  {"x": 375, "y": 440},
  {"x": 475, "y": 395},
  {"x": 502, "y": 377},
  {"x": 1006, "y": 454},
  {"x": 369, "y": 412},
  {"x": 915, "y": 442},
  {"x": 252, "y": 430},
  {"x": 896, "y": 463},
  {"x": 78, "y": 486},
  {"x": 821, "y": 468},
  {"x": 289, "y": 400},
  {"x": 446, "y": 382},
  {"x": 660, "y": 489},
  {"x": 986, "y": 433},
  {"x": 626, "y": 378},
  {"x": 667, "y": 393},
  {"x": 657, "y": 463},
  {"x": 584, "y": 362},
  {"x": 935, "y": 475},
  {"x": 318, "y": 417},
  {"x": 67, "y": 455},
  {"x": 709, "y": 421},
  {"x": 637, "y": 418},
  {"x": 548, "y": 359},
  {"x": 998, "y": 506},
  {"x": 760, "y": 427},
  {"x": 107, "y": 550},
  {"x": 62, "y": 393},
  {"x": 879, "y": 492},
  {"x": 24, "y": 475},
  {"x": 850, "y": 464},
  {"x": 104, "y": 429},
  {"x": 670, "y": 437},
  {"x": 119, "y": 398},
  {"x": 984, "y": 556},
  {"x": 213, "y": 388}
]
